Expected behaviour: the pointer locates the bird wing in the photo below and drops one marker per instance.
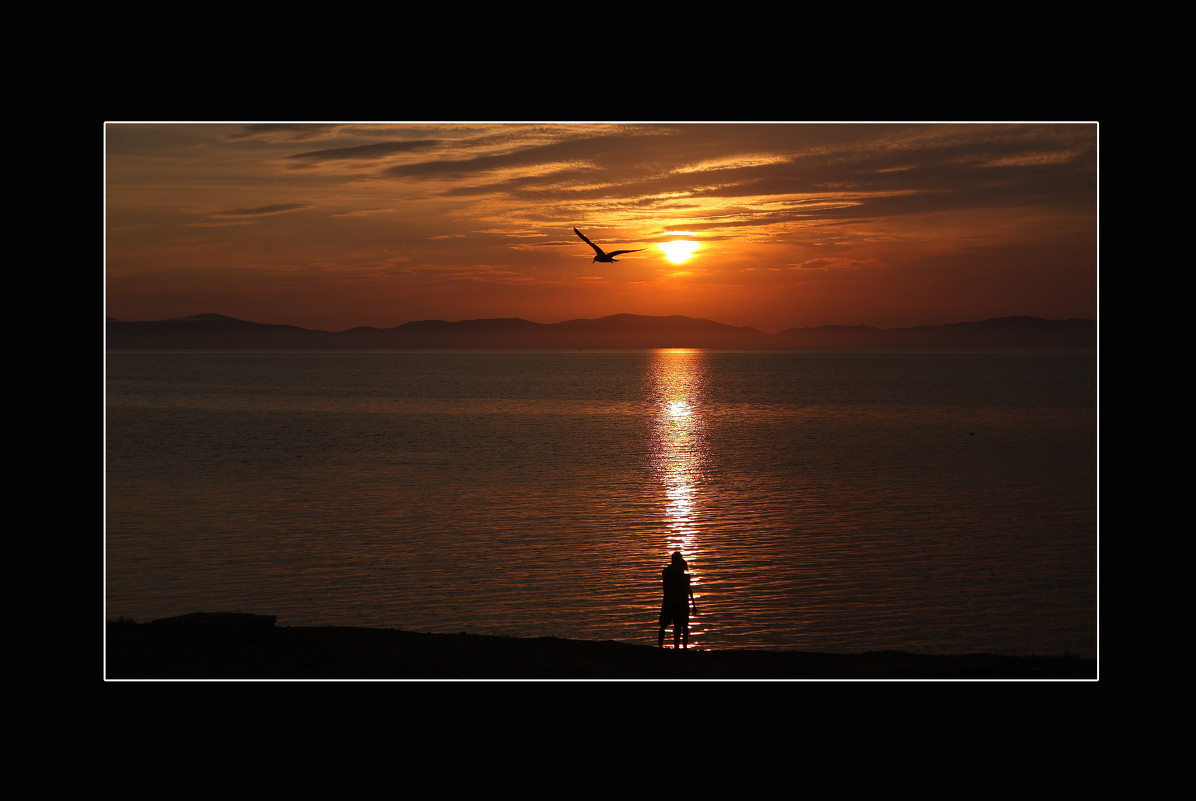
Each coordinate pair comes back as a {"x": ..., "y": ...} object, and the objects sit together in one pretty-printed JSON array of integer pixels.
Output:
[
  {"x": 588, "y": 242},
  {"x": 617, "y": 252}
]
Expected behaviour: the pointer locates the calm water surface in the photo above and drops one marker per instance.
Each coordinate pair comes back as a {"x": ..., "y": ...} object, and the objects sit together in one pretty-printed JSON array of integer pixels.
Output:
[{"x": 838, "y": 501}]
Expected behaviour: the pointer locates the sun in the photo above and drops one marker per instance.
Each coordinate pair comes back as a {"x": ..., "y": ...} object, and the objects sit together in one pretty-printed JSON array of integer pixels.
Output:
[{"x": 679, "y": 249}]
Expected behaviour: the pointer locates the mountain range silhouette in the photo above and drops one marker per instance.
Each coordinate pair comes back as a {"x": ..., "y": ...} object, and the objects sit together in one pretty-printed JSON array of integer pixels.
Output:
[{"x": 218, "y": 332}]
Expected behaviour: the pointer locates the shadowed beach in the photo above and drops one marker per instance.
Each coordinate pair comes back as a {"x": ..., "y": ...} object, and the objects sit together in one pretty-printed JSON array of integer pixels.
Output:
[{"x": 231, "y": 646}]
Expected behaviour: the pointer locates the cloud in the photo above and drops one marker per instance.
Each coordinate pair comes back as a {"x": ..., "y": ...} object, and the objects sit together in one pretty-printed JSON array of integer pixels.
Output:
[
  {"x": 843, "y": 263},
  {"x": 620, "y": 148},
  {"x": 820, "y": 172},
  {"x": 259, "y": 211},
  {"x": 286, "y": 132},
  {"x": 370, "y": 152}
]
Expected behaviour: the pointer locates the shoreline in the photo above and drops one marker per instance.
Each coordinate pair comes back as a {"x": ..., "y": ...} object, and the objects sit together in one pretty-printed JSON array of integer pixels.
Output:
[{"x": 207, "y": 646}]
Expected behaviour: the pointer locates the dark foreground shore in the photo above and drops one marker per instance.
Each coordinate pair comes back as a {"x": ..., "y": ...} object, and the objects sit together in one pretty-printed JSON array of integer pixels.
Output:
[{"x": 221, "y": 646}]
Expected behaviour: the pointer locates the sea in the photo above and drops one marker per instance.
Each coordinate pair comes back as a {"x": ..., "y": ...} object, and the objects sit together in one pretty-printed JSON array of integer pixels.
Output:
[{"x": 937, "y": 501}]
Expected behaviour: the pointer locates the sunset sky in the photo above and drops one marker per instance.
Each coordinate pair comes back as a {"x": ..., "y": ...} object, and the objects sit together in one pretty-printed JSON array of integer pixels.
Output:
[{"x": 332, "y": 226}]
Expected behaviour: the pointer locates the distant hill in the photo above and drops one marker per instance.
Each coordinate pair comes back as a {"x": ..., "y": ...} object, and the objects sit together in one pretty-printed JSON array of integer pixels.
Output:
[{"x": 217, "y": 332}]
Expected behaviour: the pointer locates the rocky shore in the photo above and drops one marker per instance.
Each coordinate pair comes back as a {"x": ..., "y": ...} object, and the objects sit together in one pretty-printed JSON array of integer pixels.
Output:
[{"x": 224, "y": 646}]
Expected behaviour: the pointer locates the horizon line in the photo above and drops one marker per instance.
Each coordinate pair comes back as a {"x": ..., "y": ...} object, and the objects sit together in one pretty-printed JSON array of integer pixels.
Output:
[{"x": 109, "y": 318}]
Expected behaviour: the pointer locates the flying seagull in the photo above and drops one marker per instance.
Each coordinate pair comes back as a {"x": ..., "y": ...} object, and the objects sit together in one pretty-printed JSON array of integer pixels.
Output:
[{"x": 604, "y": 257}]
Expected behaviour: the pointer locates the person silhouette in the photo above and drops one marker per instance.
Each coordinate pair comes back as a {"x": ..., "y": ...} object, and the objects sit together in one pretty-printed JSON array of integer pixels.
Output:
[{"x": 678, "y": 595}]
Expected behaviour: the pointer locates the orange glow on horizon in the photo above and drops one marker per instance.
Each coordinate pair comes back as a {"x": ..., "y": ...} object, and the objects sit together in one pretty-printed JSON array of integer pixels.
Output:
[{"x": 336, "y": 226}]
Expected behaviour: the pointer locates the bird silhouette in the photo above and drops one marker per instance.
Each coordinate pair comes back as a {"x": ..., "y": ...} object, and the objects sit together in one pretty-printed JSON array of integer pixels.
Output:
[{"x": 603, "y": 256}]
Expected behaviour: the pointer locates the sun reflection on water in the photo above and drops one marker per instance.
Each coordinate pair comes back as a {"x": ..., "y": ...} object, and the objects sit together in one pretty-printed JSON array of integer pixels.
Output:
[{"x": 680, "y": 454}]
